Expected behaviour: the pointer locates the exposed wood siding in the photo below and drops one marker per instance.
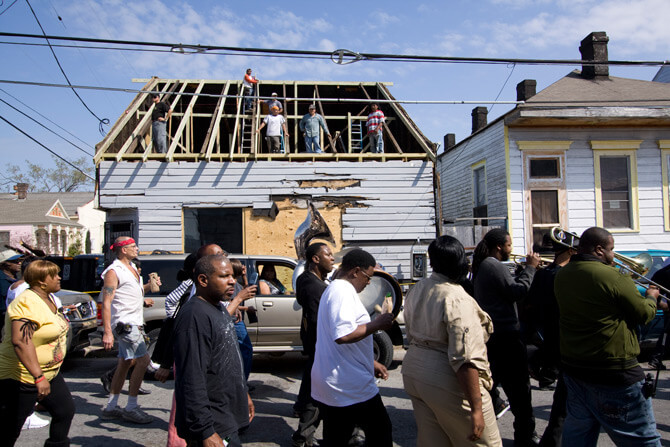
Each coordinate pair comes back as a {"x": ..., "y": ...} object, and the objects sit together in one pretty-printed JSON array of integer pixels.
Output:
[
  {"x": 456, "y": 174},
  {"x": 383, "y": 203}
]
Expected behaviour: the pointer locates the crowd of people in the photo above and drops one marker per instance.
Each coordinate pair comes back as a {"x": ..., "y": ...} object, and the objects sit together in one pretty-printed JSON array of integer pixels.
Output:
[{"x": 467, "y": 329}]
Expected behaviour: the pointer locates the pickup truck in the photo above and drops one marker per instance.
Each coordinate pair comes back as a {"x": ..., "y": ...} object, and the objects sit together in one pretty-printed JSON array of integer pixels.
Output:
[{"x": 279, "y": 316}]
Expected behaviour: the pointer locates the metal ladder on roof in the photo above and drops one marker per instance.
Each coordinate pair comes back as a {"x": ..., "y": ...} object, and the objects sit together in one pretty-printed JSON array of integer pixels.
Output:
[{"x": 356, "y": 136}]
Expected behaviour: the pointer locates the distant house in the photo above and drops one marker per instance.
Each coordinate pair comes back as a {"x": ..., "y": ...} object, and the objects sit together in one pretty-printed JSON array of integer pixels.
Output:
[
  {"x": 51, "y": 222},
  {"x": 590, "y": 149},
  {"x": 218, "y": 183}
]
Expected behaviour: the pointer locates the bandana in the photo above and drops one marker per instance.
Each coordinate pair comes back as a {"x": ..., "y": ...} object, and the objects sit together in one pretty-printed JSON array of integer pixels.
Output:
[{"x": 122, "y": 243}]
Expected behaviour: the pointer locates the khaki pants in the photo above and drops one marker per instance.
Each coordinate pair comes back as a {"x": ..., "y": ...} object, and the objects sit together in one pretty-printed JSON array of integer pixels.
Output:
[{"x": 442, "y": 415}]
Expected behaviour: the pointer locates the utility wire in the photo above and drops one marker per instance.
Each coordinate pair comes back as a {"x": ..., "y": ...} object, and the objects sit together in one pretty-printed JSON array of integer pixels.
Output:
[
  {"x": 101, "y": 122},
  {"x": 44, "y": 117},
  {"x": 53, "y": 132},
  {"x": 7, "y": 8},
  {"x": 50, "y": 151},
  {"x": 340, "y": 56}
]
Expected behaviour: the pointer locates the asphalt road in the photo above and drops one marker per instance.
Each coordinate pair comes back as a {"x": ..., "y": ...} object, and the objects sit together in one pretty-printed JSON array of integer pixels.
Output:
[{"x": 276, "y": 380}]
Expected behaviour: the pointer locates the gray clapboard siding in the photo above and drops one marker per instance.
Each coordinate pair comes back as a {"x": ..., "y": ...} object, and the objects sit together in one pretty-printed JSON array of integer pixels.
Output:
[{"x": 393, "y": 202}]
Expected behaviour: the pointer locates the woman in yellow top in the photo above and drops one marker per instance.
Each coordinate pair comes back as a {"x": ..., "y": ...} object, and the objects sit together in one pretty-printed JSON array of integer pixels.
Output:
[{"x": 32, "y": 350}]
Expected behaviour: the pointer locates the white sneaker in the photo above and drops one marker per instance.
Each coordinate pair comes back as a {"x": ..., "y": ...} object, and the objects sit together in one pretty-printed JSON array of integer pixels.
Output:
[{"x": 34, "y": 421}]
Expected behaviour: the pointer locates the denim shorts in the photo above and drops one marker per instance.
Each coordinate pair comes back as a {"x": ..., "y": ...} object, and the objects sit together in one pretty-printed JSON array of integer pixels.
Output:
[{"x": 131, "y": 344}]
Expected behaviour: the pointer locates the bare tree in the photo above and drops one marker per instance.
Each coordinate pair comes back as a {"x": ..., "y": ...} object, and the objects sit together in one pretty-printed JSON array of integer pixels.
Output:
[{"x": 61, "y": 178}]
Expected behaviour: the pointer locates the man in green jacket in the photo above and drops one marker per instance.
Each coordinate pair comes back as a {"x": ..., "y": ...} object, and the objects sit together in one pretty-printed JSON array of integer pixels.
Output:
[{"x": 599, "y": 310}]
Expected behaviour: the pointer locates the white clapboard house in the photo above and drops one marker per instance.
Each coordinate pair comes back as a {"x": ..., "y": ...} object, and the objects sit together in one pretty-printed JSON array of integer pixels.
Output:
[
  {"x": 590, "y": 149},
  {"x": 218, "y": 183}
]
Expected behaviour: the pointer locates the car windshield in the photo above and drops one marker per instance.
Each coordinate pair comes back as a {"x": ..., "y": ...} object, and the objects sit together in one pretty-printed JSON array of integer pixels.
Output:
[{"x": 167, "y": 270}]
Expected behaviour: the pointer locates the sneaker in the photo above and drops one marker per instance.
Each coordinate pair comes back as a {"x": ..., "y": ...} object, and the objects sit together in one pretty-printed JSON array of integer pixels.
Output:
[
  {"x": 114, "y": 413},
  {"x": 501, "y": 407},
  {"x": 34, "y": 421},
  {"x": 106, "y": 380},
  {"x": 136, "y": 416},
  {"x": 143, "y": 392}
]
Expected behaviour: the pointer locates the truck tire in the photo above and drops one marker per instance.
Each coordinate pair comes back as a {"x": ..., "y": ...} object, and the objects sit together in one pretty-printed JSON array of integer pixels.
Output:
[{"x": 383, "y": 348}]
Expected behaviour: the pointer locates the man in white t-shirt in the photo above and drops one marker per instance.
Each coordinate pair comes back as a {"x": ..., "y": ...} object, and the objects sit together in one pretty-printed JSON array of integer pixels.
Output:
[
  {"x": 343, "y": 375},
  {"x": 275, "y": 123}
]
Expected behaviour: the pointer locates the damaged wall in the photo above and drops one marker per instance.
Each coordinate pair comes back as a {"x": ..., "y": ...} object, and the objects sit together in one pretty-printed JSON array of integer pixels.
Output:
[{"x": 380, "y": 206}]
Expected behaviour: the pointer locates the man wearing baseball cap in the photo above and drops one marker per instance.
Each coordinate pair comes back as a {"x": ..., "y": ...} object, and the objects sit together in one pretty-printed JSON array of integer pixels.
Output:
[
  {"x": 275, "y": 102},
  {"x": 309, "y": 125}
]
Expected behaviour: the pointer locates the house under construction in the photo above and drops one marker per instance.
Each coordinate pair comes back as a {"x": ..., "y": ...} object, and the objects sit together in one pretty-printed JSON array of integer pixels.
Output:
[{"x": 218, "y": 183}]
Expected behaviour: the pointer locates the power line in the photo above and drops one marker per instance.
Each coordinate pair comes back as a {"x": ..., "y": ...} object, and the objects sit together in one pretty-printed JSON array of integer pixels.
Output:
[
  {"x": 7, "y": 8},
  {"x": 45, "y": 127},
  {"x": 101, "y": 122},
  {"x": 50, "y": 151},
  {"x": 341, "y": 56},
  {"x": 306, "y": 99},
  {"x": 44, "y": 117}
]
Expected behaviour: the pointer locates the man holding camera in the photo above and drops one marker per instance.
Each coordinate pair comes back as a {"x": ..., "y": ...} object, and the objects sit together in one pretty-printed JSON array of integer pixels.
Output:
[
  {"x": 599, "y": 310},
  {"x": 123, "y": 319}
]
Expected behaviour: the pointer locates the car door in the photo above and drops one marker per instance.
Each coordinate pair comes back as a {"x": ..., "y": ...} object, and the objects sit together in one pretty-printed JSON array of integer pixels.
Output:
[{"x": 279, "y": 315}]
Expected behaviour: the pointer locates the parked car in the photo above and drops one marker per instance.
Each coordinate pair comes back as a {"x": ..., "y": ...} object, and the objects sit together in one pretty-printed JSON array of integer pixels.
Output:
[
  {"x": 279, "y": 316},
  {"x": 80, "y": 310},
  {"x": 649, "y": 334}
]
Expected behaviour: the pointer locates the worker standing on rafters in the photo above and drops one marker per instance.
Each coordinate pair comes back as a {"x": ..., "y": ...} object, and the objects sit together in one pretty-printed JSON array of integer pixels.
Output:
[{"x": 159, "y": 116}]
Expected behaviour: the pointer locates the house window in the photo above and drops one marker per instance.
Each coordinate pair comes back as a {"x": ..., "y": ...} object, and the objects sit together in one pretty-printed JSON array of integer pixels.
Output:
[
  {"x": 545, "y": 216},
  {"x": 615, "y": 168},
  {"x": 221, "y": 226},
  {"x": 615, "y": 192},
  {"x": 544, "y": 168},
  {"x": 664, "y": 145},
  {"x": 544, "y": 195},
  {"x": 479, "y": 190}
]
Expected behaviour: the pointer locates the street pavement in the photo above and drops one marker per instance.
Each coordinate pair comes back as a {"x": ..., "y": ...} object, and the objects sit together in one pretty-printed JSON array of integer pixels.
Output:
[{"x": 276, "y": 380}]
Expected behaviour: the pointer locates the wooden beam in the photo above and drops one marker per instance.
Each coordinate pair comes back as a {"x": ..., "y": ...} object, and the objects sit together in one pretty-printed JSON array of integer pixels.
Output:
[
  {"x": 147, "y": 151},
  {"x": 214, "y": 125},
  {"x": 395, "y": 143},
  {"x": 410, "y": 126},
  {"x": 330, "y": 138},
  {"x": 139, "y": 131},
  {"x": 184, "y": 121}
]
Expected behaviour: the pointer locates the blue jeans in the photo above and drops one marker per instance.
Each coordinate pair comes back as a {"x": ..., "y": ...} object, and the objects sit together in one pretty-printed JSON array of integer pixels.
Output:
[
  {"x": 622, "y": 411},
  {"x": 376, "y": 142},
  {"x": 309, "y": 141},
  {"x": 246, "y": 349},
  {"x": 248, "y": 98},
  {"x": 159, "y": 136}
]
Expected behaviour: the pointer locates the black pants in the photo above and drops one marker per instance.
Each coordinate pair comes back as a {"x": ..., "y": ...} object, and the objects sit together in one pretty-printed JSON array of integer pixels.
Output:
[
  {"x": 306, "y": 407},
  {"x": 509, "y": 366},
  {"x": 370, "y": 416},
  {"x": 553, "y": 433},
  {"x": 17, "y": 401}
]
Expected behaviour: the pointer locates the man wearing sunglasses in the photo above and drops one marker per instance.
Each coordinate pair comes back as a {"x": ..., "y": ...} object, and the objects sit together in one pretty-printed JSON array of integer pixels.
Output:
[{"x": 343, "y": 375}]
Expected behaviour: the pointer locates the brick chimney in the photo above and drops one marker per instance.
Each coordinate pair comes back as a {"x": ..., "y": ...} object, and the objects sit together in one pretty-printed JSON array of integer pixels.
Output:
[
  {"x": 526, "y": 89},
  {"x": 594, "y": 48},
  {"x": 479, "y": 118},
  {"x": 449, "y": 141},
  {"x": 21, "y": 190}
]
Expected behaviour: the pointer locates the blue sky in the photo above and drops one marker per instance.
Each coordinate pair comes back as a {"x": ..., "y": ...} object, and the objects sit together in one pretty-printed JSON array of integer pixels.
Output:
[{"x": 546, "y": 29}]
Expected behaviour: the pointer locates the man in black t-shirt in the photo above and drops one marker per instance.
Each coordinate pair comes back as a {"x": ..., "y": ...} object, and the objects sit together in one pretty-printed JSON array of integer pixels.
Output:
[
  {"x": 159, "y": 116},
  {"x": 309, "y": 288},
  {"x": 210, "y": 388}
]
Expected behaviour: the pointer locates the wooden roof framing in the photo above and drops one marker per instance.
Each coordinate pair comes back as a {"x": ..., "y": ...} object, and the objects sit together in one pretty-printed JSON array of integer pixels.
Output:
[{"x": 208, "y": 118}]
